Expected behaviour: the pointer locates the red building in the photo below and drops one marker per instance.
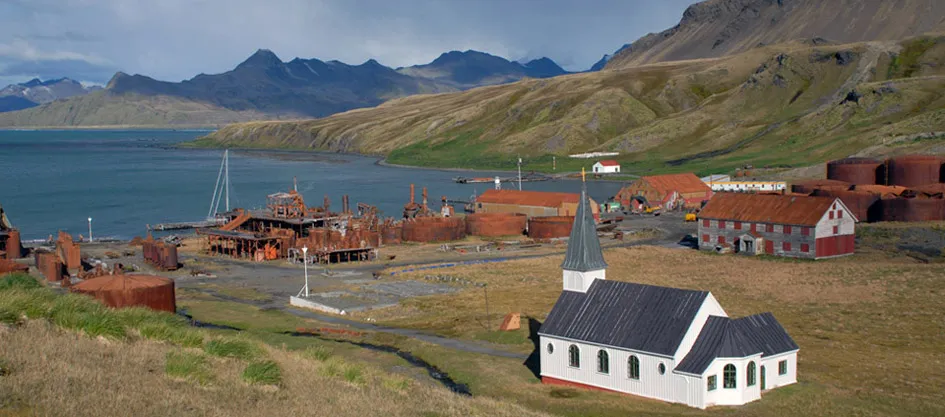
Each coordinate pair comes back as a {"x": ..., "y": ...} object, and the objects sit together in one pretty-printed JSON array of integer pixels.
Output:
[
  {"x": 667, "y": 191},
  {"x": 781, "y": 225}
]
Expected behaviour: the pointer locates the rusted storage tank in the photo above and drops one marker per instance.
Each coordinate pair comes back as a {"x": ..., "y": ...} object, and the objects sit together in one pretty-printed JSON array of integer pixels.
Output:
[
  {"x": 392, "y": 234},
  {"x": 855, "y": 170},
  {"x": 434, "y": 229},
  {"x": 14, "y": 248},
  {"x": 169, "y": 258},
  {"x": 881, "y": 189},
  {"x": 914, "y": 170},
  {"x": 496, "y": 224},
  {"x": 808, "y": 187},
  {"x": 929, "y": 189},
  {"x": 120, "y": 291},
  {"x": 859, "y": 202},
  {"x": 7, "y": 266},
  {"x": 49, "y": 266},
  {"x": 550, "y": 227},
  {"x": 912, "y": 209}
]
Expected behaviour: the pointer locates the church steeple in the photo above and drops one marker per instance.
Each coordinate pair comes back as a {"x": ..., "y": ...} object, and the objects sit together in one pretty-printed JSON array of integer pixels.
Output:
[{"x": 584, "y": 260}]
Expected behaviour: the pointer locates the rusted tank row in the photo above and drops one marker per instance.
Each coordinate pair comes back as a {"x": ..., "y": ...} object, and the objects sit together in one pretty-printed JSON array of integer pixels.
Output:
[
  {"x": 49, "y": 266},
  {"x": 7, "y": 266},
  {"x": 159, "y": 254},
  {"x": 861, "y": 203},
  {"x": 550, "y": 227},
  {"x": 930, "y": 189},
  {"x": 855, "y": 170},
  {"x": 120, "y": 291},
  {"x": 808, "y": 187},
  {"x": 433, "y": 229},
  {"x": 496, "y": 224},
  {"x": 912, "y": 209},
  {"x": 914, "y": 170},
  {"x": 883, "y": 190}
]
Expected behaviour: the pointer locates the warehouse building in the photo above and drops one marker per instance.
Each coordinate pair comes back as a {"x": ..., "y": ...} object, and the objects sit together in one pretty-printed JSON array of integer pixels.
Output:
[
  {"x": 781, "y": 225},
  {"x": 668, "y": 191},
  {"x": 748, "y": 186},
  {"x": 531, "y": 203},
  {"x": 607, "y": 167}
]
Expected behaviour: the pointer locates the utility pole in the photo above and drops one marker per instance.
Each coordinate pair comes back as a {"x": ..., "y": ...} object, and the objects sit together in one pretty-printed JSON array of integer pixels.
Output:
[
  {"x": 488, "y": 316},
  {"x": 305, "y": 266},
  {"x": 226, "y": 159},
  {"x": 90, "y": 230},
  {"x": 554, "y": 163},
  {"x": 520, "y": 174}
]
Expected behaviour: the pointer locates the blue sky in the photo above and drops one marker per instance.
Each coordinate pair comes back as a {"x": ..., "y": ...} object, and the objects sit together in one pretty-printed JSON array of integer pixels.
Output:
[{"x": 89, "y": 40}]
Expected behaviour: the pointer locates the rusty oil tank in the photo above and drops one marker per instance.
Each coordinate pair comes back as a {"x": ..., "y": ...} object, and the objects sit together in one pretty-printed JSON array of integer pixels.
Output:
[
  {"x": 120, "y": 291},
  {"x": 861, "y": 203},
  {"x": 7, "y": 266},
  {"x": 808, "y": 187},
  {"x": 881, "y": 189},
  {"x": 496, "y": 224},
  {"x": 855, "y": 170},
  {"x": 49, "y": 266},
  {"x": 168, "y": 260},
  {"x": 550, "y": 227},
  {"x": 434, "y": 229},
  {"x": 930, "y": 189},
  {"x": 14, "y": 248},
  {"x": 391, "y": 234},
  {"x": 914, "y": 170},
  {"x": 912, "y": 209}
]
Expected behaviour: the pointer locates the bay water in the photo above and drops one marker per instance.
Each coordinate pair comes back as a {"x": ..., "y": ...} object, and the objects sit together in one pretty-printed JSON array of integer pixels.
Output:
[{"x": 53, "y": 180}]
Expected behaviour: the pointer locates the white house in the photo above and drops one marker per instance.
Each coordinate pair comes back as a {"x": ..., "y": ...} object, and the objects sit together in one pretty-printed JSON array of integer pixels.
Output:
[
  {"x": 606, "y": 167},
  {"x": 670, "y": 344}
]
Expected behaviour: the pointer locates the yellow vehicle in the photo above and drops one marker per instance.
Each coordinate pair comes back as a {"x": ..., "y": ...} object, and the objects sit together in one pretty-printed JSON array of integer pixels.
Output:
[
  {"x": 652, "y": 209},
  {"x": 690, "y": 217}
]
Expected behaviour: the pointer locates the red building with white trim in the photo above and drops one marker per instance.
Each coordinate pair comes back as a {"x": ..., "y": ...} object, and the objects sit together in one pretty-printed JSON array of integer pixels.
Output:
[{"x": 781, "y": 225}]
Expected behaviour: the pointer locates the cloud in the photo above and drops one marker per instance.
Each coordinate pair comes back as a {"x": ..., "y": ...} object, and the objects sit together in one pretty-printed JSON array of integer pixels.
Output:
[
  {"x": 44, "y": 70},
  {"x": 20, "y": 49}
]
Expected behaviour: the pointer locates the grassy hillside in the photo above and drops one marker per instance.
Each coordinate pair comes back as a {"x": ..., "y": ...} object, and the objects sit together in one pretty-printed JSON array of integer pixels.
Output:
[
  {"x": 785, "y": 105},
  {"x": 69, "y": 355}
]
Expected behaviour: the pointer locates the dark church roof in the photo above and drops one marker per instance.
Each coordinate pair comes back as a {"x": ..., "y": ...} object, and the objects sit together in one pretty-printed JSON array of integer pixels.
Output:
[
  {"x": 640, "y": 317},
  {"x": 584, "y": 252},
  {"x": 723, "y": 337}
]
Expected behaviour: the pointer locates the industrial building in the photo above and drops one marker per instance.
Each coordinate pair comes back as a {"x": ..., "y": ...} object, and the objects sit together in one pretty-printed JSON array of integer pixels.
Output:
[
  {"x": 10, "y": 246},
  {"x": 747, "y": 186},
  {"x": 780, "y": 225},
  {"x": 669, "y": 344},
  {"x": 609, "y": 166},
  {"x": 531, "y": 203},
  {"x": 669, "y": 192}
]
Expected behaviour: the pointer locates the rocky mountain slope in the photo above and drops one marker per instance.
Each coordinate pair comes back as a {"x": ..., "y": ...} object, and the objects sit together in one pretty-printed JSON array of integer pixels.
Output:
[
  {"x": 717, "y": 28},
  {"x": 265, "y": 87},
  {"x": 464, "y": 70},
  {"x": 781, "y": 105},
  {"x": 36, "y": 92}
]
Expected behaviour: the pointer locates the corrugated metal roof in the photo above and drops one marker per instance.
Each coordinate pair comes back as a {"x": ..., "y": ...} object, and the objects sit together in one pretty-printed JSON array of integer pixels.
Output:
[
  {"x": 682, "y": 183},
  {"x": 584, "y": 253},
  {"x": 609, "y": 163},
  {"x": 766, "y": 334},
  {"x": 527, "y": 198},
  {"x": 722, "y": 337},
  {"x": 766, "y": 208},
  {"x": 625, "y": 315}
]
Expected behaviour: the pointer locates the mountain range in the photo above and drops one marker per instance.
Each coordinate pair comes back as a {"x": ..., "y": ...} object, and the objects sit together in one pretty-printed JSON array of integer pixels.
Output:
[
  {"x": 265, "y": 87},
  {"x": 35, "y": 92},
  {"x": 777, "y": 83}
]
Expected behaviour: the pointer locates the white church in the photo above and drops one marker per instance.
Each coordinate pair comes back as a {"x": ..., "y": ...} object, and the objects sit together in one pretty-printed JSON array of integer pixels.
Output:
[{"x": 669, "y": 344}]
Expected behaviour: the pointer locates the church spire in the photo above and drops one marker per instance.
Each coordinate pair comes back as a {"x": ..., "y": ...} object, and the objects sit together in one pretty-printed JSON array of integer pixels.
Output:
[{"x": 584, "y": 253}]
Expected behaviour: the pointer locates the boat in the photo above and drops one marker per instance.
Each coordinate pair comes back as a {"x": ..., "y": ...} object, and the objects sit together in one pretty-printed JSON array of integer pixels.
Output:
[{"x": 214, "y": 218}]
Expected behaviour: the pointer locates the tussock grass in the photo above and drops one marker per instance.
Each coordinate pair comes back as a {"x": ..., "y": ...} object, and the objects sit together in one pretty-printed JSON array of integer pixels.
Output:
[
  {"x": 18, "y": 280},
  {"x": 319, "y": 353},
  {"x": 175, "y": 335},
  {"x": 119, "y": 379},
  {"x": 262, "y": 373},
  {"x": 232, "y": 348},
  {"x": 395, "y": 383},
  {"x": 354, "y": 374},
  {"x": 189, "y": 366}
]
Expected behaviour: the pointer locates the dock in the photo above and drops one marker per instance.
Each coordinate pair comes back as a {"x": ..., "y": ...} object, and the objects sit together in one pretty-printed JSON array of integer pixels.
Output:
[{"x": 204, "y": 224}]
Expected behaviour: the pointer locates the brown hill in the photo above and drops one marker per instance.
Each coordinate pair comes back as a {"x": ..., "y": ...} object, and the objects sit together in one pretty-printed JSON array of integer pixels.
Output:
[
  {"x": 781, "y": 105},
  {"x": 717, "y": 28}
]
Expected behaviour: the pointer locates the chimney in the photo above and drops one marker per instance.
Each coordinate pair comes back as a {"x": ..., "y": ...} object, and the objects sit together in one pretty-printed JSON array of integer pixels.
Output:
[
  {"x": 411, "y": 194},
  {"x": 295, "y": 184},
  {"x": 424, "y": 197},
  {"x": 327, "y": 203},
  {"x": 344, "y": 204}
]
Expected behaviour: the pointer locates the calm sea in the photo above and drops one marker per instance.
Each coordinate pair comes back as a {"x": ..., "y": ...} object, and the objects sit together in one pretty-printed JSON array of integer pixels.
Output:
[{"x": 124, "y": 180}]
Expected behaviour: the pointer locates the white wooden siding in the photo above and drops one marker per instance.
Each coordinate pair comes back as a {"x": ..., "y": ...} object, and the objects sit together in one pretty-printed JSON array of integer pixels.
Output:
[
  {"x": 581, "y": 281},
  {"x": 710, "y": 307},
  {"x": 773, "y": 379},
  {"x": 845, "y": 225},
  {"x": 742, "y": 393}
]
